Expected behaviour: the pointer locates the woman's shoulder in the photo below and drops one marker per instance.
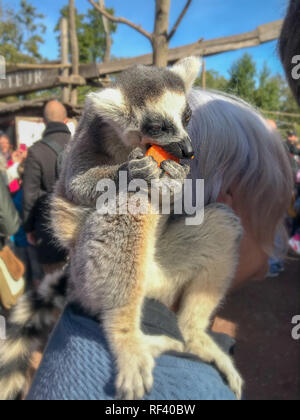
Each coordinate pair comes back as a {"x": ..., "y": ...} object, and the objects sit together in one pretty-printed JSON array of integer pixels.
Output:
[{"x": 77, "y": 365}]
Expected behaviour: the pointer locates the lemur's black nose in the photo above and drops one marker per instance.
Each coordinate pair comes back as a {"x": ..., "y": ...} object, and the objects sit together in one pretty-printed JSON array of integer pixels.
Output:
[
  {"x": 187, "y": 148},
  {"x": 181, "y": 149}
]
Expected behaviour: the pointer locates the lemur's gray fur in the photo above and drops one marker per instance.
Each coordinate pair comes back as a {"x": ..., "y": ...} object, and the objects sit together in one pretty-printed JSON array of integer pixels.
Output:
[{"x": 118, "y": 260}]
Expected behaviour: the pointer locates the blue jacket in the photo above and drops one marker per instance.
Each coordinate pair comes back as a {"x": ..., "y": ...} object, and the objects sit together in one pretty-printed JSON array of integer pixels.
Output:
[{"x": 77, "y": 363}]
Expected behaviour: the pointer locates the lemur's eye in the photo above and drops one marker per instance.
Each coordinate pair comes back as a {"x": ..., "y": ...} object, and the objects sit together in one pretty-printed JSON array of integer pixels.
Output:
[
  {"x": 187, "y": 116},
  {"x": 155, "y": 129}
]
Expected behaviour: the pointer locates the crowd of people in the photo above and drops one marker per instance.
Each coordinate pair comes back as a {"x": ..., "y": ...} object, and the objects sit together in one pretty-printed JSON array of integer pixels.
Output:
[
  {"x": 277, "y": 265},
  {"x": 27, "y": 180},
  {"x": 294, "y": 151}
]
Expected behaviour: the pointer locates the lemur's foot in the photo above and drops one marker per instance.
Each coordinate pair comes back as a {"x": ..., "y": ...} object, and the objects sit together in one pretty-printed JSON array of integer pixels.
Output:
[
  {"x": 175, "y": 170},
  {"x": 136, "y": 364},
  {"x": 206, "y": 349}
]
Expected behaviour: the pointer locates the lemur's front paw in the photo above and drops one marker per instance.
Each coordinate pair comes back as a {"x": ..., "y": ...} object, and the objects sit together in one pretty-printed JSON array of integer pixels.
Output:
[
  {"x": 145, "y": 168},
  {"x": 136, "y": 154},
  {"x": 175, "y": 170}
]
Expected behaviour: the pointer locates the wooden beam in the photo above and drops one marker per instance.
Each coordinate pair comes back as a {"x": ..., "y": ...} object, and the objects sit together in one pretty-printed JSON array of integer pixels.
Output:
[
  {"x": 11, "y": 68},
  {"x": 285, "y": 114},
  {"x": 262, "y": 34},
  {"x": 64, "y": 51},
  {"x": 72, "y": 80},
  {"x": 108, "y": 39},
  {"x": 25, "y": 81},
  {"x": 74, "y": 49}
]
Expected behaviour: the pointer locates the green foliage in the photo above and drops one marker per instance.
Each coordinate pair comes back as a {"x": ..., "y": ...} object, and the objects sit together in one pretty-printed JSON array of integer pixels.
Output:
[
  {"x": 264, "y": 90},
  {"x": 21, "y": 33},
  {"x": 90, "y": 32},
  {"x": 268, "y": 94},
  {"x": 214, "y": 81},
  {"x": 242, "y": 78}
]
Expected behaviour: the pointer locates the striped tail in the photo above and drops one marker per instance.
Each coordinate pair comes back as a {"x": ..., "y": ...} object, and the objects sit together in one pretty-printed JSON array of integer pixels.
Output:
[{"x": 28, "y": 323}]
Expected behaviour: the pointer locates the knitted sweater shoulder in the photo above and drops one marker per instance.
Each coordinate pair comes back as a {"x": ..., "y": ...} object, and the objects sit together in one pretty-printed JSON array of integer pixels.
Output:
[{"x": 78, "y": 365}]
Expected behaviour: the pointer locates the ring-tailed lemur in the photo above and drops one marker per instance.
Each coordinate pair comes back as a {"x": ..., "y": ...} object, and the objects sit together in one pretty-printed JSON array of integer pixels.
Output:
[{"x": 118, "y": 260}]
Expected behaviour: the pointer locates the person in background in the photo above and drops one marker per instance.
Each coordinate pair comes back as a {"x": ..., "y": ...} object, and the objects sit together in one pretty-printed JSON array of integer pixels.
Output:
[
  {"x": 294, "y": 242},
  {"x": 23, "y": 250},
  {"x": 12, "y": 160},
  {"x": 40, "y": 176},
  {"x": 292, "y": 143},
  {"x": 276, "y": 264},
  {"x": 5, "y": 146},
  {"x": 9, "y": 224},
  {"x": 13, "y": 165}
]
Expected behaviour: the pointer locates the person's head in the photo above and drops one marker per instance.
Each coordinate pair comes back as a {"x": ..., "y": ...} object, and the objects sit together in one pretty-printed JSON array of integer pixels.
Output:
[
  {"x": 54, "y": 111},
  {"x": 5, "y": 145},
  {"x": 289, "y": 47},
  {"x": 244, "y": 164},
  {"x": 272, "y": 124},
  {"x": 292, "y": 137}
]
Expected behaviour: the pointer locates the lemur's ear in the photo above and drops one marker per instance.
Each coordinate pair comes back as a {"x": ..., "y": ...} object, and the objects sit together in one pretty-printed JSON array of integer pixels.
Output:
[
  {"x": 109, "y": 102},
  {"x": 188, "y": 69}
]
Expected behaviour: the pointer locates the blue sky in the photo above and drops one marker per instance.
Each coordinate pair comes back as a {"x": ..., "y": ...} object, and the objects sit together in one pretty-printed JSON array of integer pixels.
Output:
[{"x": 206, "y": 18}]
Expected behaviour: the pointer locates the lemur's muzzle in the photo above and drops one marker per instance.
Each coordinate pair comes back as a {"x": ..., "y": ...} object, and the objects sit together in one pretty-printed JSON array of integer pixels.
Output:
[{"x": 182, "y": 150}]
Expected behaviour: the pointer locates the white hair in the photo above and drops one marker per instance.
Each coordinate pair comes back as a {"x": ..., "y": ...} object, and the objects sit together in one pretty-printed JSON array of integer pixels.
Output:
[{"x": 236, "y": 149}]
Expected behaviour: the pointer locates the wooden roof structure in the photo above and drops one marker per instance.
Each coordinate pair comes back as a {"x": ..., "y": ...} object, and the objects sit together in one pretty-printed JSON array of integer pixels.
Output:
[
  {"x": 8, "y": 111},
  {"x": 29, "y": 78}
]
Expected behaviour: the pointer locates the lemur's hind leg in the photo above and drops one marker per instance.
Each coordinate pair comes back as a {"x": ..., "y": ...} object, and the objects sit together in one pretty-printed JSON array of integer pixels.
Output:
[
  {"x": 109, "y": 269},
  {"x": 199, "y": 305},
  {"x": 134, "y": 351},
  {"x": 210, "y": 255}
]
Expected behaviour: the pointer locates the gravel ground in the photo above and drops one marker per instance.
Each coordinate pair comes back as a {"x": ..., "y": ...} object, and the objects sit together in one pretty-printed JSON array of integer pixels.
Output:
[{"x": 259, "y": 316}]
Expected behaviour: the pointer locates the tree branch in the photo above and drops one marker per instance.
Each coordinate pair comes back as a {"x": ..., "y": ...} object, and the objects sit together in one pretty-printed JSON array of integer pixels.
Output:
[
  {"x": 108, "y": 40},
  {"x": 121, "y": 20},
  {"x": 179, "y": 20}
]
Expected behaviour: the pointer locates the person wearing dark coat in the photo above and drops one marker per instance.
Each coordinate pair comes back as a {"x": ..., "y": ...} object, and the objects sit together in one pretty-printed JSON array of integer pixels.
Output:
[{"x": 40, "y": 176}]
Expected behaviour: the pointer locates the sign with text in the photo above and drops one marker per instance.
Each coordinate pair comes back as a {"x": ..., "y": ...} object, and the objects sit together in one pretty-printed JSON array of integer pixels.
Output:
[
  {"x": 28, "y": 81},
  {"x": 29, "y": 130}
]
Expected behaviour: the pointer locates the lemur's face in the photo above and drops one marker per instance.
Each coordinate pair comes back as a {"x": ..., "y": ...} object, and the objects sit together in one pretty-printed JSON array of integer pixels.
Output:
[{"x": 149, "y": 106}]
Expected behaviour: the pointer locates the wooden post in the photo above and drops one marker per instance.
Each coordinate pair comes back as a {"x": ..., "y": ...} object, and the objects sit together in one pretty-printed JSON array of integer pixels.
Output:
[
  {"x": 74, "y": 49},
  {"x": 160, "y": 41},
  {"x": 108, "y": 41},
  {"x": 204, "y": 75},
  {"x": 64, "y": 46}
]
